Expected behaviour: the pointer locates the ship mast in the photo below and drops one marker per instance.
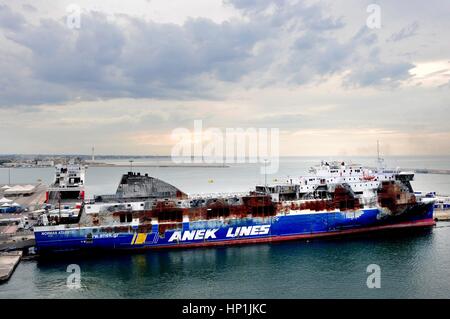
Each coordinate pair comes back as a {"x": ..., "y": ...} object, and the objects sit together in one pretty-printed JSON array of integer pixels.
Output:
[
  {"x": 378, "y": 150},
  {"x": 380, "y": 160},
  {"x": 131, "y": 165},
  {"x": 265, "y": 174}
]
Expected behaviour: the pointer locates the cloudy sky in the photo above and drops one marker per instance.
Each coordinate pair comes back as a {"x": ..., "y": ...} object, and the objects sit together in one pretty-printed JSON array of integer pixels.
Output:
[{"x": 136, "y": 70}]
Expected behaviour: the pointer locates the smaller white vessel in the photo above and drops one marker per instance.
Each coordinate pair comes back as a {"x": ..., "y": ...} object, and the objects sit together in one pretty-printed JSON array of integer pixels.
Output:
[{"x": 68, "y": 186}]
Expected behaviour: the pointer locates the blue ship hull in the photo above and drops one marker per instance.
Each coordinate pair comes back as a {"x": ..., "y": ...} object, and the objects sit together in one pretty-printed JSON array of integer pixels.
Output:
[{"x": 233, "y": 231}]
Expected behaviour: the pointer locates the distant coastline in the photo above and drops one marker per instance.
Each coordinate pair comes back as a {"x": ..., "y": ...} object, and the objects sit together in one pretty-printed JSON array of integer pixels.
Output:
[{"x": 200, "y": 165}]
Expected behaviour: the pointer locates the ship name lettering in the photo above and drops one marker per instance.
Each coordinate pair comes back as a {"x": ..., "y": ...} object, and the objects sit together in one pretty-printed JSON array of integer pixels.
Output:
[
  {"x": 193, "y": 235},
  {"x": 248, "y": 231}
]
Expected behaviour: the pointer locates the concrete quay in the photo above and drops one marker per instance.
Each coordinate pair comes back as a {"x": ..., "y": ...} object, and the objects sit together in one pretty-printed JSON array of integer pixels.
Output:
[{"x": 8, "y": 263}]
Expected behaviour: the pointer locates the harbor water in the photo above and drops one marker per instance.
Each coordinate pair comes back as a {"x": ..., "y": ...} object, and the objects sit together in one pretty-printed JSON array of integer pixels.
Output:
[{"x": 413, "y": 265}]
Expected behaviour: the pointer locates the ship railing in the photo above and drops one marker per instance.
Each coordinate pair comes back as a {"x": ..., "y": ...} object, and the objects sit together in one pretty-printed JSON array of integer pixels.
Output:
[
  {"x": 114, "y": 209},
  {"x": 217, "y": 195},
  {"x": 19, "y": 233}
]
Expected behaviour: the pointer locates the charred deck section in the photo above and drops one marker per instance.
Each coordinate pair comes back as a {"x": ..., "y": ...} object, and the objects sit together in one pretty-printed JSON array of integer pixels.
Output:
[
  {"x": 136, "y": 186},
  {"x": 169, "y": 214},
  {"x": 396, "y": 197}
]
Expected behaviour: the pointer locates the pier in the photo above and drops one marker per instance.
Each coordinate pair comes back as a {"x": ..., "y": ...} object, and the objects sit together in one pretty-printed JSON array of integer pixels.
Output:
[
  {"x": 422, "y": 170},
  {"x": 429, "y": 171},
  {"x": 17, "y": 242},
  {"x": 32, "y": 201},
  {"x": 160, "y": 165},
  {"x": 8, "y": 263}
]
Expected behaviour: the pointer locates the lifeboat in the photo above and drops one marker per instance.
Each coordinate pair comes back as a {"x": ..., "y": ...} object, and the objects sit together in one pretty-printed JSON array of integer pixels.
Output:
[{"x": 367, "y": 177}]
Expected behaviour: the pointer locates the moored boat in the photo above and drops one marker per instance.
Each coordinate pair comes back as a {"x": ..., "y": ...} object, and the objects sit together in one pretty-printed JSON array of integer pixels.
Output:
[
  {"x": 335, "y": 199},
  {"x": 67, "y": 189}
]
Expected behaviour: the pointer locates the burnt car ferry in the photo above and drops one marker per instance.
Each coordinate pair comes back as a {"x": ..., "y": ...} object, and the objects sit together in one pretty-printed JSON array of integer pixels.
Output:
[{"x": 335, "y": 199}]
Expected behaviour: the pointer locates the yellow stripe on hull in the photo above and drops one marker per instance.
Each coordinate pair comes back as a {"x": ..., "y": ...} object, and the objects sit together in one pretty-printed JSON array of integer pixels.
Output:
[
  {"x": 140, "y": 239},
  {"x": 134, "y": 238}
]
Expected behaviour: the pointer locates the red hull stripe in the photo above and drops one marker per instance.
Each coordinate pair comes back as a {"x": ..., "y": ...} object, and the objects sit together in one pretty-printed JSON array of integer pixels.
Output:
[{"x": 422, "y": 223}]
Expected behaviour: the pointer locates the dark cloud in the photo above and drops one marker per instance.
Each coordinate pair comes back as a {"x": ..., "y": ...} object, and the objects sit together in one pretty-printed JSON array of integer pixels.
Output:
[
  {"x": 406, "y": 32},
  {"x": 254, "y": 6},
  {"x": 29, "y": 7},
  {"x": 10, "y": 20},
  {"x": 290, "y": 44},
  {"x": 370, "y": 70},
  {"x": 379, "y": 74}
]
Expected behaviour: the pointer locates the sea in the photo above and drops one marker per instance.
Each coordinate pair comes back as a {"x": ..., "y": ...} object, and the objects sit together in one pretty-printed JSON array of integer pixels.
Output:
[{"x": 408, "y": 265}]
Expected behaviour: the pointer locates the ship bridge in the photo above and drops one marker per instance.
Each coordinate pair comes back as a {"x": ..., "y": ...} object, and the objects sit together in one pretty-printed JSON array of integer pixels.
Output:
[{"x": 324, "y": 178}]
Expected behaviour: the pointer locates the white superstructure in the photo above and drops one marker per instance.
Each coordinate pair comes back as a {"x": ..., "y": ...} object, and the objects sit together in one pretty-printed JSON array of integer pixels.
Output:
[{"x": 68, "y": 177}]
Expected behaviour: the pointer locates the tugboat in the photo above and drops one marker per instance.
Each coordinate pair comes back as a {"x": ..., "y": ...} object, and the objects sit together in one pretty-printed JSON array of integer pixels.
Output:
[{"x": 336, "y": 199}]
